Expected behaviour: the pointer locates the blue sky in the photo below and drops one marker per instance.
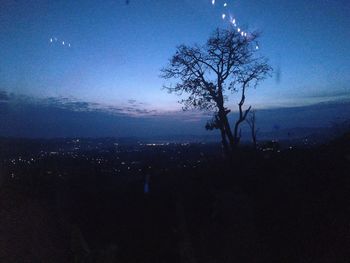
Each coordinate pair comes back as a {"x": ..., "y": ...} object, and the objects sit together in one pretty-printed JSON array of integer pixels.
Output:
[{"x": 117, "y": 49}]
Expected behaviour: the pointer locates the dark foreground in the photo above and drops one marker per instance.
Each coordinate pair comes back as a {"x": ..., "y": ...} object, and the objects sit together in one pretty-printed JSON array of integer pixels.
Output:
[{"x": 288, "y": 207}]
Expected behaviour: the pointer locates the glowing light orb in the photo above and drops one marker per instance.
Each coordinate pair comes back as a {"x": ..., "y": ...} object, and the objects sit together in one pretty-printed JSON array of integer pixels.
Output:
[
  {"x": 63, "y": 43},
  {"x": 230, "y": 19},
  {"x": 256, "y": 47},
  {"x": 51, "y": 40}
]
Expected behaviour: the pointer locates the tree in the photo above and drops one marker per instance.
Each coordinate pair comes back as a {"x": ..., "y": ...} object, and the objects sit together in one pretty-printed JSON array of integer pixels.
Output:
[
  {"x": 226, "y": 64},
  {"x": 251, "y": 120}
]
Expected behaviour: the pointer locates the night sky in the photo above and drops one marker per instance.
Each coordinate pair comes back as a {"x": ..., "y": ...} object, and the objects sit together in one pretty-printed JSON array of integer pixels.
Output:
[{"x": 113, "y": 50}]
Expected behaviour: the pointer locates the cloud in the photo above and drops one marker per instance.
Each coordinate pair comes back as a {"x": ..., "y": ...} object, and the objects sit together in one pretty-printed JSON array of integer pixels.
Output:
[
  {"x": 327, "y": 92},
  {"x": 26, "y": 116},
  {"x": 4, "y": 96},
  {"x": 131, "y": 108},
  {"x": 329, "y": 95},
  {"x": 132, "y": 102}
]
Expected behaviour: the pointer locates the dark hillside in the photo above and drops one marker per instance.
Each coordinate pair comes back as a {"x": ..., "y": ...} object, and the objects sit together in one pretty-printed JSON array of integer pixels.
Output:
[{"x": 289, "y": 206}]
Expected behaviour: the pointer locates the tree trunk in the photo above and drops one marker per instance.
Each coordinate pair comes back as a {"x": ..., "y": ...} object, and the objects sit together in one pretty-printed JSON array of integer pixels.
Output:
[
  {"x": 224, "y": 141},
  {"x": 242, "y": 117},
  {"x": 237, "y": 138},
  {"x": 224, "y": 123},
  {"x": 229, "y": 132},
  {"x": 254, "y": 139}
]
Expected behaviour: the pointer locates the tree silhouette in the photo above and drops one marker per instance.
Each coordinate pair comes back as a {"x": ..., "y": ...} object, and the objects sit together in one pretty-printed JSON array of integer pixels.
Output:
[
  {"x": 251, "y": 120},
  {"x": 226, "y": 64}
]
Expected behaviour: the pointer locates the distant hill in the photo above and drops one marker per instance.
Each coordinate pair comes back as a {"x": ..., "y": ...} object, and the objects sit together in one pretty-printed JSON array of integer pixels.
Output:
[{"x": 55, "y": 117}]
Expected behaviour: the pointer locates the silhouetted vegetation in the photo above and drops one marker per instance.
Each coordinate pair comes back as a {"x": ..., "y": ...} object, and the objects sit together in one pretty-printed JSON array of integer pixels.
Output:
[
  {"x": 251, "y": 120},
  {"x": 226, "y": 64}
]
